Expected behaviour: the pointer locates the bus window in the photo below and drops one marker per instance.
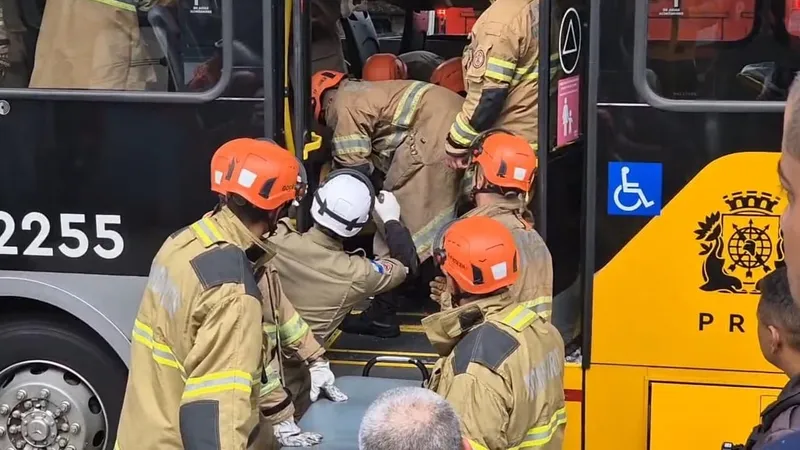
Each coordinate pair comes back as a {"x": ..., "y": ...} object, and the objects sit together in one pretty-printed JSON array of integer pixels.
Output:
[
  {"x": 121, "y": 45},
  {"x": 701, "y": 20},
  {"x": 723, "y": 49}
]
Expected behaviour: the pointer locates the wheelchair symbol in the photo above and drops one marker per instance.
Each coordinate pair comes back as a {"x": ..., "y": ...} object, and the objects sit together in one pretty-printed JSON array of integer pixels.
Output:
[{"x": 627, "y": 187}]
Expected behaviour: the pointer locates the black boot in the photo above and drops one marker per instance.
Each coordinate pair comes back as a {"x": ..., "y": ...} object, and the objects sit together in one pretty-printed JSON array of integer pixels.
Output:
[{"x": 379, "y": 319}]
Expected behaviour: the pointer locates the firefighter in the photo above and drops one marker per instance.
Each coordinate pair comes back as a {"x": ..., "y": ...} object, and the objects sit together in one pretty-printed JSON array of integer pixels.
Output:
[
  {"x": 286, "y": 330},
  {"x": 501, "y": 365},
  {"x": 324, "y": 293},
  {"x": 197, "y": 356},
  {"x": 501, "y": 171},
  {"x": 68, "y": 55},
  {"x": 450, "y": 74},
  {"x": 384, "y": 67},
  {"x": 393, "y": 131},
  {"x": 500, "y": 76}
]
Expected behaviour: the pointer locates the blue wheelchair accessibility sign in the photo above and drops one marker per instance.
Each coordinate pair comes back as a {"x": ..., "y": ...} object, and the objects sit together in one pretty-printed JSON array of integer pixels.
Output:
[{"x": 634, "y": 189}]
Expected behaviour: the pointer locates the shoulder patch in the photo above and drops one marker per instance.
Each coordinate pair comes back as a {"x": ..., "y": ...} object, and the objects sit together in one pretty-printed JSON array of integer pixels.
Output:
[
  {"x": 486, "y": 345},
  {"x": 222, "y": 265},
  {"x": 381, "y": 267},
  {"x": 479, "y": 59}
]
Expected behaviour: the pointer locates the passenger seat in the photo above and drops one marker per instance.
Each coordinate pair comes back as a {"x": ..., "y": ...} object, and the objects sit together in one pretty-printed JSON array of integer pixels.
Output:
[{"x": 361, "y": 41}]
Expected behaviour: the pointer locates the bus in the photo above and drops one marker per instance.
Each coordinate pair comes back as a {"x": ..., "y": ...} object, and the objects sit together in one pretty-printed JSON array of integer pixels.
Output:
[{"x": 657, "y": 196}]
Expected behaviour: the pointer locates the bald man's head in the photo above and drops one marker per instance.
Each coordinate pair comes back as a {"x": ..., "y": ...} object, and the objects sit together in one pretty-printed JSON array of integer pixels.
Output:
[
  {"x": 789, "y": 173},
  {"x": 410, "y": 418}
]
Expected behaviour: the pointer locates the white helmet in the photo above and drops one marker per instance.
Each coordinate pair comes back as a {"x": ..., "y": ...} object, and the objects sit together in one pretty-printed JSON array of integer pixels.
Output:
[{"x": 343, "y": 203}]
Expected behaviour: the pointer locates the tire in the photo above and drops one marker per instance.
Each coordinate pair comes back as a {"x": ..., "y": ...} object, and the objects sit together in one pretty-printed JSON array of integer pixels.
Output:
[{"x": 65, "y": 341}]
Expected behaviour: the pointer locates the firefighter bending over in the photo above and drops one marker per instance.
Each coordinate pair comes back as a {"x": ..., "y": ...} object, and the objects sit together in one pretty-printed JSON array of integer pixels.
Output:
[
  {"x": 284, "y": 329},
  {"x": 500, "y": 177},
  {"x": 393, "y": 131},
  {"x": 500, "y": 76},
  {"x": 501, "y": 364},
  {"x": 196, "y": 359}
]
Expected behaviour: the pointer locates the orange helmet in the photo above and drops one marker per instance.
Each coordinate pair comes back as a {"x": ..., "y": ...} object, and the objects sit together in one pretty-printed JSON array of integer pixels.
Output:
[
  {"x": 220, "y": 165},
  {"x": 321, "y": 82},
  {"x": 383, "y": 67},
  {"x": 478, "y": 253},
  {"x": 450, "y": 74},
  {"x": 263, "y": 173},
  {"x": 506, "y": 159}
]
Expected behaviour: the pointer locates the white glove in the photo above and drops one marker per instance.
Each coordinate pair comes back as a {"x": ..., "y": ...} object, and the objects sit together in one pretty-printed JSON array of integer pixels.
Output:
[
  {"x": 322, "y": 380},
  {"x": 289, "y": 434},
  {"x": 386, "y": 207}
]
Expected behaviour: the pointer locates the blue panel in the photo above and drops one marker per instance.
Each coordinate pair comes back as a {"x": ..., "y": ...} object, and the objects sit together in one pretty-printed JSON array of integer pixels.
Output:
[{"x": 634, "y": 188}]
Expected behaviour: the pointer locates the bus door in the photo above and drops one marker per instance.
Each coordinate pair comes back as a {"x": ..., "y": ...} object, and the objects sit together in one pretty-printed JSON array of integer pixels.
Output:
[{"x": 565, "y": 127}]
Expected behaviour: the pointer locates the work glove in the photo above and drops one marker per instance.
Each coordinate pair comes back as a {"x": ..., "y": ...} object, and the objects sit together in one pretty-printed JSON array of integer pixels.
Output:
[
  {"x": 438, "y": 285},
  {"x": 322, "y": 380},
  {"x": 289, "y": 434},
  {"x": 386, "y": 207}
]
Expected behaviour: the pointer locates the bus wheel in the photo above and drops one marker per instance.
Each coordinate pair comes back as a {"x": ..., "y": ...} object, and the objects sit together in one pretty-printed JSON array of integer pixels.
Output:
[{"x": 60, "y": 389}]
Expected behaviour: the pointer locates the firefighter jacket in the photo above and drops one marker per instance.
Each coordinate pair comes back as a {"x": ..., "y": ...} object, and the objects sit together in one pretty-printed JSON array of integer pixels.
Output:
[
  {"x": 778, "y": 420},
  {"x": 534, "y": 288},
  {"x": 323, "y": 281},
  {"x": 399, "y": 128},
  {"x": 196, "y": 357},
  {"x": 502, "y": 369},
  {"x": 500, "y": 74},
  {"x": 288, "y": 336},
  {"x": 68, "y": 55}
]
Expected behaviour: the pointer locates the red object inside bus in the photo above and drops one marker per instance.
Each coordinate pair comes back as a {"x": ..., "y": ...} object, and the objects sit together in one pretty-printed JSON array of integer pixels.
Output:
[{"x": 703, "y": 20}]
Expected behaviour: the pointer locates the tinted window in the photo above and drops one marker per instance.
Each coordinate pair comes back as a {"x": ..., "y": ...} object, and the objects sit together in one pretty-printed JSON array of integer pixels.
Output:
[{"x": 723, "y": 49}]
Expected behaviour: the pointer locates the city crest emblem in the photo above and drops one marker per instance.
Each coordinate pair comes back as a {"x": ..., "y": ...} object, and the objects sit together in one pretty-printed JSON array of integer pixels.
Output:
[{"x": 741, "y": 245}]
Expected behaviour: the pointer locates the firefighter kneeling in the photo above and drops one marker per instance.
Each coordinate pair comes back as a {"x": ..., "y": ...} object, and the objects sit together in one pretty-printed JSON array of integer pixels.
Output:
[
  {"x": 499, "y": 180},
  {"x": 501, "y": 364},
  {"x": 198, "y": 349}
]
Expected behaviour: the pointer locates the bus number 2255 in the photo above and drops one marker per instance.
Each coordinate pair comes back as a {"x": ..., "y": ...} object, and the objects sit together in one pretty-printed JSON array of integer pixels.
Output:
[{"x": 76, "y": 242}]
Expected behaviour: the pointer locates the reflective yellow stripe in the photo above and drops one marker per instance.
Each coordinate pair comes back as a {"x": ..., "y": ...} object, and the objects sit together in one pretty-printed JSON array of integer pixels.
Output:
[
  {"x": 519, "y": 318},
  {"x": 476, "y": 445},
  {"x": 540, "y": 305},
  {"x": 229, "y": 380},
  {"x": 272, "y": 333},
  {"x": 409, "y": 102},
  {"x": 500, "y": 70},
  {"x": 423, "y": 239},
  {"x": 273, "y": 382},
  {"x": 116, "y": 445},
  {"x": 351, "y": 143},
  {"x": 162, "y": 353},
  {"x": 462, "y": 132},
  {"x": 118, "y": 4},
  {"x": 292, "y": 330},
  {"x": 207, "y": 232},
  {"x": 539, "y": 436}
]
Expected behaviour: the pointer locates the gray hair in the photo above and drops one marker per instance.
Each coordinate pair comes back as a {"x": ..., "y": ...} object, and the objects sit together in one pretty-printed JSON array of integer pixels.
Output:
[
  {"x": 791, "y": 128},
  {"x": 410, "y": 418}
]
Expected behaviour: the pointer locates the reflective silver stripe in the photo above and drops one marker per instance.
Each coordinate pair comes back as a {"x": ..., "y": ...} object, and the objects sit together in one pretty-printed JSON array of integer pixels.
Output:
[
  {"x": 404, "y": 114},
  {"x": 354, "y": 143},
  {"x": 230, "y": 380},
  {"x": 423, "y": 239},
  {"x": 539, "y": 436},
  {"x": 500, "y": 70}
]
